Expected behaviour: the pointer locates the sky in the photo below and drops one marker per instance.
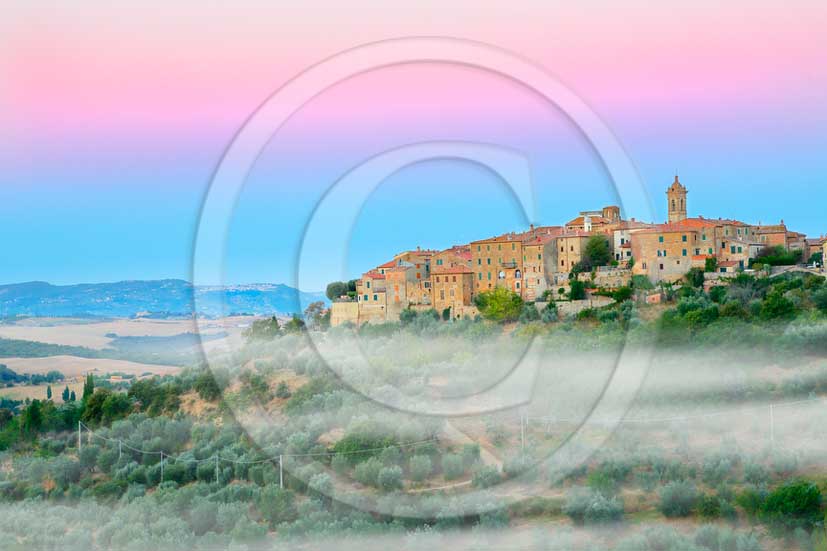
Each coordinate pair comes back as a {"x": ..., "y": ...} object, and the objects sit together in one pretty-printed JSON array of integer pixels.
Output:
[{"x": 116, "y": 117}]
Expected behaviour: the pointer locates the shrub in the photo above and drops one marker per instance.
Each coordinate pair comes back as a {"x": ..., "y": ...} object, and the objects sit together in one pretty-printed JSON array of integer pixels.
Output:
[
  {"x": 452, "y": 467},
  {"x": 390, "y": 478},
  {"x": 678, "y": 499},
  {"x": 283, "y": 391},
  {"x": 586, "y": 507},
  {"x": 755, "y": 473},
  {"x": 486, "y": 477},
  {"x": 367, "y": 472},
  {"x": 499, "y": 304},
  {"x": 794, "y": 505},
  {"x": 340, "y": 464},
  {"x": 420, "y": 467}
]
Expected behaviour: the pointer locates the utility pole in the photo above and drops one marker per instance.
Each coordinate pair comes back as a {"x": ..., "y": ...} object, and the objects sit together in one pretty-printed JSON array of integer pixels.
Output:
[
  {"x": 281, "y": 471},
  {"x": 80, "y": 443},
  {"x": 772, "y": 427},
  {"x": 522, "y": 428}
]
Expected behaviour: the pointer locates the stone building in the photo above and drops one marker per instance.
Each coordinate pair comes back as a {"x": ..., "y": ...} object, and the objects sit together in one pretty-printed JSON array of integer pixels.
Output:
[
  {"x": 676, "y": 201},
  {"x": 497, "y": 262},
  {"x": 453, "y": 290},
  {"x": 664, "y": 253}
]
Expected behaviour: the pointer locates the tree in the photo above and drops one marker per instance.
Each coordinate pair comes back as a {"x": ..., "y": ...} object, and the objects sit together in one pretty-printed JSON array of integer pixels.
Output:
[
  {"x": 598, "y": 251},
  {"x": 72, "y": 396},
  {"x": 529, "y": 313},
  {"x": 678, "y": 499},
  {"x": 337, "y": 289},
  {"x": 390, "y": 478},
  {"x": 420, "y": 467},
  {"x": 295, "y": 325},
  {"x": 499, "y": 304},
  {"x": 577, "y": 290},
  {"x": 695, "y": 277},
  {"x": 816, "y": 258},
  {"x": 88, "y": 387},
  {"x": 794, "y": 505},
  {"x": 282, "y": 390},
  {"x": 276, "y": 505},
  {"x": 315, "y": 315},
  {"x": 207, "y": 387},
  {"x": 49, "y": 392},
  {"x": 263, "y": 329},
  {"x": 32, "y": 419},
  {"x": 66, "y": 394},
  {"x": 777, "y": 306},
  {"x": 711, "y": 264}
]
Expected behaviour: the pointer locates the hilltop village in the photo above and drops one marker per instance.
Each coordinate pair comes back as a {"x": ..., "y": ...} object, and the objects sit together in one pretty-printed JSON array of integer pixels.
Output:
[{"x": 543, "y": 261}]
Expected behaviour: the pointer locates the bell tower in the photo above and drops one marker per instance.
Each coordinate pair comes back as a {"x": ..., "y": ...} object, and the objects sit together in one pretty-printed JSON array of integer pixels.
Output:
[{"x": 676, "y": 201}]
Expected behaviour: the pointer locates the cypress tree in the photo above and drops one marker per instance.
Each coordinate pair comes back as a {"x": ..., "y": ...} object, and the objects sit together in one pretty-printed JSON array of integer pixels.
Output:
[
  {"x": 65, "y": 394},
  {"x": 88, "y": 387},
  {"x": 49, "y": 392}
]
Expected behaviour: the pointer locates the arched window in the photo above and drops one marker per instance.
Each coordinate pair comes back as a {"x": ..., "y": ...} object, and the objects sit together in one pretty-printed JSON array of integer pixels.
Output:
[{"x": 673, "y": 205}]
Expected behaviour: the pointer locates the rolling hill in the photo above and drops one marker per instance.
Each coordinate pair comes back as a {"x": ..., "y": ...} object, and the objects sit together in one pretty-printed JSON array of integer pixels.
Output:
[{"x": 160, "y": 298}]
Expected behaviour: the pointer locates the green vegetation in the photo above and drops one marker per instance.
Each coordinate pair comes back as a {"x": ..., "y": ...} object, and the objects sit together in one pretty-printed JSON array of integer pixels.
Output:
[
  {"x": 499, "y": 304},
  {"x": 778, "y": 256}
]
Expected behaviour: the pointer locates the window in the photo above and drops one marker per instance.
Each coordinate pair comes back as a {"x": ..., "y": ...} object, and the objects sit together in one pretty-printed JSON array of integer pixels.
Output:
[
  {"x": 562, "y": 249},
  {"x": 710, "y": 250},
  {"x": 539, "y": 257},
  {"x": 439, "y": 262},
  {"x": 479, "y": 248},
  {"x": 518, "y": 285},
  {"x": 562, "y": 263},
  {"x": 660, "y": 238},
  {"x": 703, "y": 237},
  {"x": 661, "y": 266},
  {"x": 442, "y": 294},
  {"x": 697, "y": 251},
  {"x": 437, "y": 279},
  {"x": 658, "y": 252},
  {"x": 454, "y": 279},
  {"x": 418, "y": 275},
  {"x": 513, "y": 246},
  {"x": 572, "y": 248},
  {"x": 367, "y": 284},
  {"x": 451, "y": 292},
  {"x": 366, "y": 297},
  {"x": 489, "y": 276},
  {"x": 622, "y": 240},
  {"x": 479, "y": 262},
  {"x": 732, "y": 249},
  {"x": 644, "y": 265},
  {"x": 683, "y": 238},
  {"x": 499, "y": 247},
  {"x": 683, "y": 253},
  {"x": 740, "y": 249},
  {"x": 488, "y": 261},
  {"x": 480, "y": 276},
  {"x": 375, "y": 298}
]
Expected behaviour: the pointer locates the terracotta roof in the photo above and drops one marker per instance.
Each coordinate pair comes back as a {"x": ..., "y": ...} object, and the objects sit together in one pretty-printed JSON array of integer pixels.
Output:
[
  {"x": 388, "y": 264},
  {"x": 456, "y": 269},
  {"x": 702, "y": 256},
  {"x": 504, "y": 238},
  {"x": 627, "y": 245},
  {"x": 728, "y": 264},
  {"x": 580, "y": 220},
  {"x": 667, "y": 228},
  {"x": 373, "y": 275}
]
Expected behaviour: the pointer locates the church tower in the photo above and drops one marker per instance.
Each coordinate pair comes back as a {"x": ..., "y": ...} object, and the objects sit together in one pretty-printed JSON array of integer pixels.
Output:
[{"x": 676, "y": 200}]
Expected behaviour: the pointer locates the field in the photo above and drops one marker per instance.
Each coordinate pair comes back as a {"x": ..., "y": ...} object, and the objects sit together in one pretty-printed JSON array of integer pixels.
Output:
[
  {"x": 72, "y": 366},
  {"x": 98, "y": 335},
  {"x": 38, "y": 392}
]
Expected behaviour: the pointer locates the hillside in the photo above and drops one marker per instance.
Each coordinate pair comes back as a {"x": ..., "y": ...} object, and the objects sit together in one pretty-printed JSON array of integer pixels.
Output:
[{"x": 161, "y": 298}]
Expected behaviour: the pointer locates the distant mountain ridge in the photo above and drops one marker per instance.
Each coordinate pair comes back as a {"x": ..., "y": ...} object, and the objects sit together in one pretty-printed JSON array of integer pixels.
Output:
[{"x": 158, "y": 298}]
